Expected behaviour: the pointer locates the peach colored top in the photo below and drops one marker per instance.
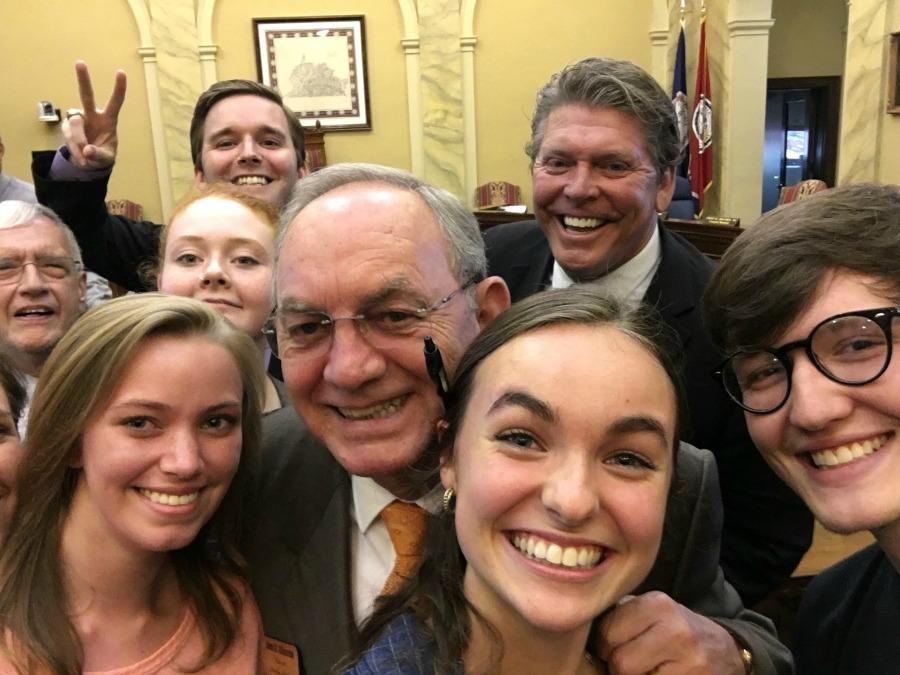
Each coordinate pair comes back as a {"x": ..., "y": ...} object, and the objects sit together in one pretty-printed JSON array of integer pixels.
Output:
[{"x": 184, "y": 648}]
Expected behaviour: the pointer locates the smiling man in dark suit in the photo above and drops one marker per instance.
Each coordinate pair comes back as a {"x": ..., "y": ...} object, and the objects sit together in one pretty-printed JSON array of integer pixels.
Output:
[{"x": 604, "y": 146}]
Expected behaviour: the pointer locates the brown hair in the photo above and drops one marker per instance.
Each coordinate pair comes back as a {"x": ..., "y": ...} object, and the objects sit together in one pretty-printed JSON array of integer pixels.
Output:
[
  {"x": 78, "y": 379},
  {"x": 13, "y": 388},
  {"x": 219, "y": 91},
  {"x": 599, "y": 82},
  {"x": 772, "y": 271},
  {"x": 435, "y": 592}
]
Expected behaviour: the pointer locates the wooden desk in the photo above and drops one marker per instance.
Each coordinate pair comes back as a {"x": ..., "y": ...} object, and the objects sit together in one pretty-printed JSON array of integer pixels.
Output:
[{"x": 711, "y": 239}]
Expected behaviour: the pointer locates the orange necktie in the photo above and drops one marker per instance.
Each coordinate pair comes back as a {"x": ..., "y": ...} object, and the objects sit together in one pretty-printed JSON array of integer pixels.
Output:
[{"x": 406, "y": 524}]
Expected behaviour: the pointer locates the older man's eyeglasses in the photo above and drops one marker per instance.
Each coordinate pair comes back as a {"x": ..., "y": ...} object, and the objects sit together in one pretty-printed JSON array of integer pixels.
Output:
[
  {"x": 384, "y": 327},
  {"x": 852, "y": 348},
  {"x": 49, "y": 267}
]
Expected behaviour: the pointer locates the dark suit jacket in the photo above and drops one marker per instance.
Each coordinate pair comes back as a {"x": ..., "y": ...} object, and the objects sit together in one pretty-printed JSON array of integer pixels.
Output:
[
  {"x": 112, "y": 246},
  {"x": 767, "y": 527},
  {"x": 298, "y": 548}
]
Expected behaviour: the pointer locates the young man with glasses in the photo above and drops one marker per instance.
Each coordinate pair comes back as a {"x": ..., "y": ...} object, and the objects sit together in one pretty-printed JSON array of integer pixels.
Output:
[
  {"x": 807, "y": 304},
  {"x": 42, "y": 286}
]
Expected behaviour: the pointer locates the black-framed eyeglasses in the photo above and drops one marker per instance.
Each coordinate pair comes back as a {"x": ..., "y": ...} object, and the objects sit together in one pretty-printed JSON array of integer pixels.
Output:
[
  {"x": 384, "y": 327},
  {"x": 49, "y": 267},
  {"x": 852, "y": 348}
]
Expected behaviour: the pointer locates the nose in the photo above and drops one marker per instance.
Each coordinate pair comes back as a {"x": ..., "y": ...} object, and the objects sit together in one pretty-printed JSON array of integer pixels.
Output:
[
  {"x": 568, "y": 493},
  {"x": 249, "y": 151},
  {"x": 181, "y": 458},
  {"x": 582, "y": 184},
  {"x": 352, "y": 361},
  {"x": 32, "y": 281},
  {"x": 815, "y": 401},
  {"x": 215, "y": 274}
]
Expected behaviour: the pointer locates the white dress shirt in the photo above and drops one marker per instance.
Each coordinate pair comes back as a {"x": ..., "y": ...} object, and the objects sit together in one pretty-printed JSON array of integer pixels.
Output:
[
  {"x": 629, "y": 282},
  {"x": 371, "y": 550}
]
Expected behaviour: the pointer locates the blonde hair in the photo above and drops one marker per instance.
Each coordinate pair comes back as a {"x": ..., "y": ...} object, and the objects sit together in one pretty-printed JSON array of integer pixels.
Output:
[{"x": 77, "y": 380}]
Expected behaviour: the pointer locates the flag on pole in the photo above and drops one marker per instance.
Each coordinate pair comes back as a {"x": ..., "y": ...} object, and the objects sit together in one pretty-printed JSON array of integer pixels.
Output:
[
  {"x": 679, "y": 100},
  {"x": 702, "y": 126}
]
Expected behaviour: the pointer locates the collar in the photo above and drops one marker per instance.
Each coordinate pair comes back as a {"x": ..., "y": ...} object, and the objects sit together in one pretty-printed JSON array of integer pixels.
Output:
[
  {"x": 629, "y": 281},
  {"x": 369, "y": 498}
]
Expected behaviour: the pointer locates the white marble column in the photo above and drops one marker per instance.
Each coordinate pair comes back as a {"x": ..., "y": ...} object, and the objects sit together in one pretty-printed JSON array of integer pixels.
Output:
[
  {"x": 740, "y": 155},
  {"x": 442, "y": 107},
  {"x": 173, "y": 24},
  {"x": 660, "y": 67},
  {"x": 862, "y": 106}
]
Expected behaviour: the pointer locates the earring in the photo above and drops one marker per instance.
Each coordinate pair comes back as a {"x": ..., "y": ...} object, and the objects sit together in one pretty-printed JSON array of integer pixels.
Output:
[{"x": 449, "y": 500}]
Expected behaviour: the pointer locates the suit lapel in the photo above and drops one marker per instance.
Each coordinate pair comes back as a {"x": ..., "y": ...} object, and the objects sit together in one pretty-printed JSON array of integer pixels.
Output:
[{"x": 531, "y": 272}]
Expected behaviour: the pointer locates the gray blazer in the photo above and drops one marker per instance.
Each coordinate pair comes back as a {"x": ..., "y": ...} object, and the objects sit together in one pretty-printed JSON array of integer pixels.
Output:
[{"x": 298, "y": 548}]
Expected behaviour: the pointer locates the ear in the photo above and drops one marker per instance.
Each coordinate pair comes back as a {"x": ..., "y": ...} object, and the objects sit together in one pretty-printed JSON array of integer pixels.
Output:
[
  {"x": 448, "y": 472},
  {"x": 302, "y": 172},
  {"x": 441, "y": 427},
  {"x": 666, "y": 189},
  {"x": 82, "y": 289},
  {"x": 492, "y": 298},
  {"x": 198, "y": 177}
]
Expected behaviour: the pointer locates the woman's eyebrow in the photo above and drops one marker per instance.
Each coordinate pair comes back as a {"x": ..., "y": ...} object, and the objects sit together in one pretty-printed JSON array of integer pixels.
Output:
[
  {"x": 522, "y": 399},
  {"x": 639, "y": 423}
]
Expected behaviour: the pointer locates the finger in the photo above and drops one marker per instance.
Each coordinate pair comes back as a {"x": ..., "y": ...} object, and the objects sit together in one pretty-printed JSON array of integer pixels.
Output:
[
  {"x": 628, "y": 620},
  {"x": 73, "y": 132},
  {"x": 85, "y": 89},
  {"x": 117, "y": 97}
]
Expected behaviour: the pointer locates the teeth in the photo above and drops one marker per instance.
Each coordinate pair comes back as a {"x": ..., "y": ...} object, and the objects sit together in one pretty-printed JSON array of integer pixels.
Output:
[
  {"x": 374, "y": 411},
  {"x": 554, "y": 554},
  {"x": 168, "y": 499},
  {"x": 250, "y": 180},
  {"x": 28, "y": 312},
  {"x": 581, "y": 223},
  {"x": 847, "y": 453}
]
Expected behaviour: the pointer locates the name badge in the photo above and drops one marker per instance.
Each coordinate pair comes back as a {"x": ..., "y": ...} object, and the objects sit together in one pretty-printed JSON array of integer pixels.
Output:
[{"x": 280, "y": 658}]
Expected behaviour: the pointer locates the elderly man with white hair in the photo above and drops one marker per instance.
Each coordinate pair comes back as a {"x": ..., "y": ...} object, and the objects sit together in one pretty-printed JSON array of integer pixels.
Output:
[{"x": 42, "y": 286}]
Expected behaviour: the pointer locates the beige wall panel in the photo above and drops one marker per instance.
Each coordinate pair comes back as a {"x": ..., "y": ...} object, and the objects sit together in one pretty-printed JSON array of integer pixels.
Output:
[
  {"x": 388, "y": 141},
  {"x": 520, "y": 45},
  {"x": 39, "y": 44},
  {"x": 807, "y": 39}
]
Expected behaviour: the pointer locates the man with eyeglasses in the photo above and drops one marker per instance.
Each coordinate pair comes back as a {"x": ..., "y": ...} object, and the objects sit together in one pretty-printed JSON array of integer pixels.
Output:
[
  {"x": 370, "y": 260},
  {"x": 42, "y": 286},
  {"x": 806, "y": 302}
]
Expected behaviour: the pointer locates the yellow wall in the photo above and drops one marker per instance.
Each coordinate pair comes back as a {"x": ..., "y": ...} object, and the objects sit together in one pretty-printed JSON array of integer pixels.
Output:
[
  {"x": 807, "y": 39},
  {"x": 388, "y": 141},
  {"x": 39, "y": 44},
  {"x": 889, "y": 159},
  {"x": 520, "y": 45}
]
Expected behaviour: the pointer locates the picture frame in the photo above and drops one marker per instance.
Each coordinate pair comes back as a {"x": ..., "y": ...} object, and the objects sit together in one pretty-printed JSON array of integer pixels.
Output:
[
  {"x": 318, "y": 64},
  {"x": 893, "y": 100}
]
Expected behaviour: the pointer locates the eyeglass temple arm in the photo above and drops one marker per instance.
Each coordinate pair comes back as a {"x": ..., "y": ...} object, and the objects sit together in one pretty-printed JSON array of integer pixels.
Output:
[{"x": 434, "y": 363}]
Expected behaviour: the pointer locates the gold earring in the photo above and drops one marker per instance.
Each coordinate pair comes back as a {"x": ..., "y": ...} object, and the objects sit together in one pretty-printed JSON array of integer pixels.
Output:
[{"x": 449, "y": 500}]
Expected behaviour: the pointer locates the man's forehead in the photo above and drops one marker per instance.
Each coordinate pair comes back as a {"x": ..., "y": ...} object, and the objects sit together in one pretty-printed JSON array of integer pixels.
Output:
[
  {"x": 38, "y": 232},
  {"x": 245, "y": 111}
]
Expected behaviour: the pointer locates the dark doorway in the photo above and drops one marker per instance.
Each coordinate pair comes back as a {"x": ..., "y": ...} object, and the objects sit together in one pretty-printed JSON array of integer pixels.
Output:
[{"x": 801, "y": 133}]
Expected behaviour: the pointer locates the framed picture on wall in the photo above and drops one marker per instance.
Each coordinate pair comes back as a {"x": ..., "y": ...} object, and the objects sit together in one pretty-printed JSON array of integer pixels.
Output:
[
  {"x": 318, "y": 64},
  {"x": 893, "y": 102}
]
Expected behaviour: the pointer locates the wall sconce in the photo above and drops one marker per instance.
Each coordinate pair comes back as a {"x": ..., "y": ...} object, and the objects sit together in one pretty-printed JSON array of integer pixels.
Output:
[{"x": 47, "y": 112}]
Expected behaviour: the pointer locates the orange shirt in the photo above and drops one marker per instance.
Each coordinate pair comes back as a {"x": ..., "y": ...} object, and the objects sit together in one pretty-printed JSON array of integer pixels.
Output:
[{"x": 184, "y": 648}]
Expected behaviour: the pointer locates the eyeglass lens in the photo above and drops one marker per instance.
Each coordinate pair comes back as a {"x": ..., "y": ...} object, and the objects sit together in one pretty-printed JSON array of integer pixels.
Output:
[{"x": 848, "y": 349}]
